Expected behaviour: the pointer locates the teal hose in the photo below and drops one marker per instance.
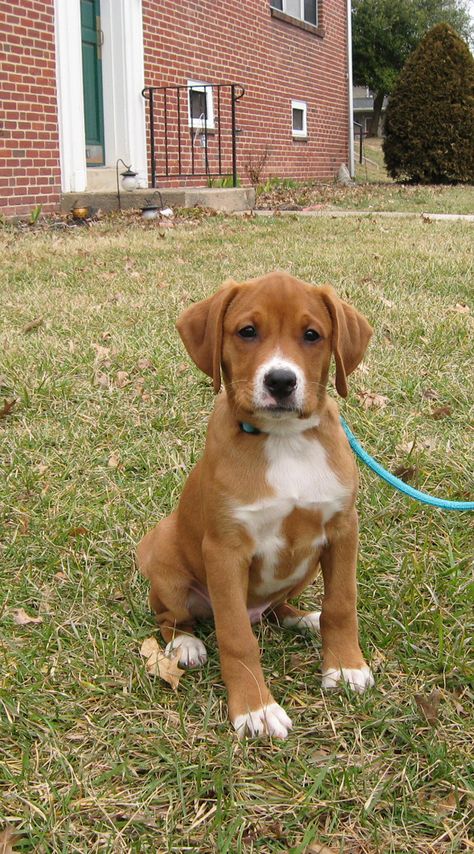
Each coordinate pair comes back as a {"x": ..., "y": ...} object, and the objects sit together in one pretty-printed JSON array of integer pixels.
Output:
[{"x": 400, "y": 484}]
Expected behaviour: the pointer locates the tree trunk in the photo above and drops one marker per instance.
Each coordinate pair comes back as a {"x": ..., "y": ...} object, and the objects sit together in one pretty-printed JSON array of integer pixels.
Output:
[{"x": 374, "y": 125}]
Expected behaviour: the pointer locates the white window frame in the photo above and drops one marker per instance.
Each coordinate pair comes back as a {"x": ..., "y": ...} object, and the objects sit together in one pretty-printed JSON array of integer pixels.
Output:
[
  {"x": 303, "y": 133},
  {"x": 300, "y": 17},
  {"x": 200, "y": 124}
]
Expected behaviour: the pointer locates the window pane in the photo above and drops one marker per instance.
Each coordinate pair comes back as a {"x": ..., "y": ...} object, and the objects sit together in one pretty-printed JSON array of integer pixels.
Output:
[
  {"x": 277, "y": 4},
  {"x": 298, "y": 119},
  {"x": 198, "y": 104},
  {"x": 293, "y": 7},
  {"x": 310, "y": 11}
]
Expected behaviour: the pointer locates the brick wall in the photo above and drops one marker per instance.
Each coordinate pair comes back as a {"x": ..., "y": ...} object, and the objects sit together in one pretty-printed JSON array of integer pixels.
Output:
[
  {"x": 206, "y": 40},
  {"x": 276, "y": 61},
  {"x": 29, "y": 146}
]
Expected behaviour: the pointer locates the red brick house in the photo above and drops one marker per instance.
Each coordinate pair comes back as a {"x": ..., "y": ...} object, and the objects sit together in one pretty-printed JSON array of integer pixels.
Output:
[{"x": 73, "y": 73}]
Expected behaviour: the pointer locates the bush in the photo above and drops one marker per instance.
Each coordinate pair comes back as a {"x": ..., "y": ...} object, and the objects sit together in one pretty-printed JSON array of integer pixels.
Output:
[{"x": 429, "y": 124}]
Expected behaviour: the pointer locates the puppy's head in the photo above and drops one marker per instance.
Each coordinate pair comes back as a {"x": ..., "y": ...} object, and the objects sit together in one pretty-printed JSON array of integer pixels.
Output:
[{"x": 273, "y": 338}]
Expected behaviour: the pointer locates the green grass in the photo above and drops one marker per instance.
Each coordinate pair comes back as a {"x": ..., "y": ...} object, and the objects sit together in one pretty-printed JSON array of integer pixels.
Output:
[{"x": 96, "y": 756}]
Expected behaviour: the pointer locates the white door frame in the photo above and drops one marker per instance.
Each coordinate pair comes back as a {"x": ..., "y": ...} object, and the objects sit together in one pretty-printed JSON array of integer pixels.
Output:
[{"x": 123, "y": 81}]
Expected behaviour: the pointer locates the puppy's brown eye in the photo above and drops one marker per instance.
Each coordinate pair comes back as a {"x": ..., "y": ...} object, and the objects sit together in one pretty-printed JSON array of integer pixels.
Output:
[
  {"x": 311, "y": 335},
  {"x": 248, "y": 332}
]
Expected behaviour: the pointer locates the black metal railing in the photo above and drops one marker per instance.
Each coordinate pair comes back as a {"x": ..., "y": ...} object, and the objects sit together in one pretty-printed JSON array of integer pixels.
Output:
[{"x": 193, "y": 130}]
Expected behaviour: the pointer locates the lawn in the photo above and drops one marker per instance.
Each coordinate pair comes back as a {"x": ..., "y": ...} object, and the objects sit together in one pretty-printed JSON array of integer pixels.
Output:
[
  {"x": 96, "y": 755},
  {"x": 373, "y": 191}
]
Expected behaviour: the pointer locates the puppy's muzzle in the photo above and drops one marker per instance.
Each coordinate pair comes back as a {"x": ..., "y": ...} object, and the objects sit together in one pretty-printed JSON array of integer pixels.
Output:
[{"x": 281, "y": 383}]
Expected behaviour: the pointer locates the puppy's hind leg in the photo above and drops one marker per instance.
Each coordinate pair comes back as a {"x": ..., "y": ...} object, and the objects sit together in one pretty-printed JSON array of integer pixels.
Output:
[{"x": 158, "y": 559}]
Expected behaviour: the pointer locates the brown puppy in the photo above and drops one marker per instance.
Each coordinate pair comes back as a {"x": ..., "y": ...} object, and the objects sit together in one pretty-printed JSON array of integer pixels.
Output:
[{"x": 272, "y": 498}]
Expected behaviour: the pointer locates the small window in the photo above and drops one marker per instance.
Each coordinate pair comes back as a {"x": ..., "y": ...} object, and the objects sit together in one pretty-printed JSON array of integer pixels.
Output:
[
  {"x": 303, "y": 10},
  {"x": 200, "y": 105},
  {"x": 298, "y": 114}
]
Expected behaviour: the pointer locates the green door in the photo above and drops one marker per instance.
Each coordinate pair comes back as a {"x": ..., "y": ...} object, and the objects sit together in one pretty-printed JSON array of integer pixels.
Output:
[{"x": 92, "y": 81}]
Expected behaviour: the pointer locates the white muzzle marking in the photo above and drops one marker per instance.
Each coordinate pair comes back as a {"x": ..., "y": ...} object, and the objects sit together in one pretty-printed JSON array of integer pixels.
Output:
[{"x": 262, "y": 399}]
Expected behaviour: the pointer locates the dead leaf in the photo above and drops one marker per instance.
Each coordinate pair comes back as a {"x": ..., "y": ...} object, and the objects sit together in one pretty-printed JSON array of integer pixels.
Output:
[
  {"x": 445, "y": 805},
  {"x": 430, "y": 394},
  {"x": 21, "y": 618},
  {"x": 369, "y": 399},
  {"x": 101, "y": 379},
  {"x": 41, "y": 468},
  {"x": 159, "y": 664},
  {"x": 405, "y": 473},
  {"x": 182, "y": 367},
  {"x": 114, "y": 461},
  {"x": 79, "y": 531},
  {"x": 319, "y": 848},
  {"x": 7, "y": 407},
  {"x": 102, "y": 355},
  {"x": 440, "y": 412},
  {"x": 460, "y": 308},
  {"x": 144, "y": 364},
  {"x": 387, "y": 302},
  {"x": 4, "y": 382},
  {"x": 33, "y": 324},
  {"x": 8, "y": 838},
  {"x": 429, "y": 705},
  {"x": 122, "y": 379}
]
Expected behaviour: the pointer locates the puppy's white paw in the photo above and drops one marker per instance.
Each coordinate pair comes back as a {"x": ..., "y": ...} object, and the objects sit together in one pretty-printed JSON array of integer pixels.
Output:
[
  {"x": 268, "y": 720},
  {"x": 357, "y": 679},
  {"x": 192, "y": 652},
  {"x": 307, "y": 622}
]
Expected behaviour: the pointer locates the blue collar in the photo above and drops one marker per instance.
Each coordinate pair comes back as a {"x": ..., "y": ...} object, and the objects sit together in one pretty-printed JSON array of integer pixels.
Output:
[{"x": 248, "y": 428}]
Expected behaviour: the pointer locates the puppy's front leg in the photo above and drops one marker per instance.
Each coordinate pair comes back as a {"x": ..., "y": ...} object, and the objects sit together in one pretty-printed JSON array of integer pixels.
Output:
[
  {"x": 342, "y": 657},
  {"x": 252, "y": 708}
]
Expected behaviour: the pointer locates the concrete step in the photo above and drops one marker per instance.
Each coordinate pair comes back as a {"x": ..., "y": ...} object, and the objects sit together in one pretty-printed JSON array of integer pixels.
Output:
[{"x": 218, "y": 199}]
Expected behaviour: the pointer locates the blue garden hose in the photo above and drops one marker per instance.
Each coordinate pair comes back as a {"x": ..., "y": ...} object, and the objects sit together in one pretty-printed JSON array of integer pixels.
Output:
[{"x": 400, "y": 484}]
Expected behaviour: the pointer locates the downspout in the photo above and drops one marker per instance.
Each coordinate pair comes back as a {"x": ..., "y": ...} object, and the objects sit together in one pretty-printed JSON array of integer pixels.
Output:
[{"x": 349, "y": 85}]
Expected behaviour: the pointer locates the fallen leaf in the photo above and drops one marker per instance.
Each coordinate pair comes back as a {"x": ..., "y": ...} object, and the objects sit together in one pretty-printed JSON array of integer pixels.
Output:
[
  {"x": 430, "y": 394},
  {"x": 79, "y": 531},
  {"x": 369, "y": 399},
  {"x": 159, "y": 664},
  {"x": 460, "y": 308},
  {"x": 405, "y": 473},
  {"x": 7, "y": 407},
  {"x": 101, "y": 379},
  {"x": 319, "y": 848},
  {"x": 123, "y": 379},
  {"x": 440, "y": 412},
  {"x": 387, "y": 302},
  {"x": 114, "y": 461},
  {"x": 8, "y": 838},
  {"x": 429, "y": 705},
  {"x": 144, "y": 364},
  {"x": 445, "y": 805},
  {"x": 21, "y": 618},
  {"x": 41, "y": 468},
  {"x": 33, "y": 324},
  {"x": 102, "y": 355},
  {"x": 4, "y": 382}
]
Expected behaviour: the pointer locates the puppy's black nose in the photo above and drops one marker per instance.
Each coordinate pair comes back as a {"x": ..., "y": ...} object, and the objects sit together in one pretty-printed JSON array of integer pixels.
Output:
[{"x": 280, "y": 382}]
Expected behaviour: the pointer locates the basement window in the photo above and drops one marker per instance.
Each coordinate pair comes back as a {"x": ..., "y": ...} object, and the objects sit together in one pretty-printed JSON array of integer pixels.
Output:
[
  {"x": 298, "y": 119},
  {"x": 303, "y": 10},
  {"x": 200, "y": 105}
]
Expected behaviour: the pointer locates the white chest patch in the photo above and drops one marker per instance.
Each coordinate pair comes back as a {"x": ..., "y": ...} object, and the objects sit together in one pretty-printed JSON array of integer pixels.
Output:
[{"x": 298, "y": 472}]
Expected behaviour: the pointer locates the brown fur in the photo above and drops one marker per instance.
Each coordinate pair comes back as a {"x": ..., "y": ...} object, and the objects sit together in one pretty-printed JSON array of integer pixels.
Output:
[{"x": 202, "y": 541}]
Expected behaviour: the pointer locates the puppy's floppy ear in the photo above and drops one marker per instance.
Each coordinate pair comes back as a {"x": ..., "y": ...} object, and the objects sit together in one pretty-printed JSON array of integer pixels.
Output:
[
  {"x": 201, "y": 327},
  {"x": 351, "y": 334}
]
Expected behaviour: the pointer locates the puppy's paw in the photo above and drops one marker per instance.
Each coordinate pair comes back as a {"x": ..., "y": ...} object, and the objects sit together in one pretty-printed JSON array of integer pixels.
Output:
[
  {"x": 356, "y": 678},
  {"x": 268, "y": 720},
  {"x": 192, "y": 652},
  {"x": 306, "y": 622}
]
